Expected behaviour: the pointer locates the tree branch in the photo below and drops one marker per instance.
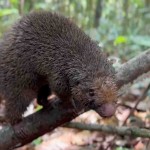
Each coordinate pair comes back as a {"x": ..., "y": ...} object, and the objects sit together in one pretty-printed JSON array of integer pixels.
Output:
[
  {"x": 132, "y": 69},
  {"x": 130, "y": 131},
  {"x": 31, "y": 127}
]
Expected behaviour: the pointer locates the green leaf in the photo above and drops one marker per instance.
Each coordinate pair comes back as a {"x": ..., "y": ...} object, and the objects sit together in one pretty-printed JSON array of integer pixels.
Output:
[
  {"x": 43, "y": 6},
  {"x": 138, "y": 2},
  {"x": 39, "y": 107},
  {"x": 37, "y": 141},
  {"x": 141, "y": 40},
  {"x": 121, "y": 148},
  {"x": 14, "y": 3},
  {"x": 6, "y": 11},
  {"x": 120, "y": 40}
]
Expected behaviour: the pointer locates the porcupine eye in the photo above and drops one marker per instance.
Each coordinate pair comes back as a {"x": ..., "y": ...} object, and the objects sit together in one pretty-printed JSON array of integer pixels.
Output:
[{"x": 91, "y": 92}]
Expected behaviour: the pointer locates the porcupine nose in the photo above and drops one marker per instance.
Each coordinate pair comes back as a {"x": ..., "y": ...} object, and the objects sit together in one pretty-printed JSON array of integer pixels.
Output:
[{"x": 106, "y": 110}]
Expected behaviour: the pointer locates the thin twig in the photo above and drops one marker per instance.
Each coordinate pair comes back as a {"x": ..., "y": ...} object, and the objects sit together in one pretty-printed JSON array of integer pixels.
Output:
[
  {"x": 130, "y": 131},
  {"x": 136, "y": 104}
]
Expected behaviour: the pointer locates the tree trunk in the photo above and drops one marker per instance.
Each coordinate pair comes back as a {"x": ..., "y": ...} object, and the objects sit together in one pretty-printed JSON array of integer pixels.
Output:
[{"x": 98, "y": 13}]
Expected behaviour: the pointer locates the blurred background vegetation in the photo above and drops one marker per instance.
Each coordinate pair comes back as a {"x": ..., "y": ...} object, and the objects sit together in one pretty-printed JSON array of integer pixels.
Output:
[{"x": 121, "y": 27}]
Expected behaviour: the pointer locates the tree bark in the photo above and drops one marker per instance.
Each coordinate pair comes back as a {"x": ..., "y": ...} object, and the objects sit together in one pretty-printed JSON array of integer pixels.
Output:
[
  {"x": 133, "y": 68},
  {"x": 21, "y": 7}
]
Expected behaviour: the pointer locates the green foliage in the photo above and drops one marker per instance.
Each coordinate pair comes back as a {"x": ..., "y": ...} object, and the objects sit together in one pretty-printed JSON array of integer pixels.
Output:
[
  {"x": 120, "y": 40},
  {"x": 6, "y": 11},
  {"x": 121, "y": 148},
  {"x": 39, "y": 107},
  {"x": 123, "y": 26},
  {"x": 14, "y": 3},
  {"x": 37, "y": 141},
  {"x": 141, "y": 40}
]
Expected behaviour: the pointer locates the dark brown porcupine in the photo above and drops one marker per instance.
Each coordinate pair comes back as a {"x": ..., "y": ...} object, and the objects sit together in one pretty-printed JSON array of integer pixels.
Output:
[{"x": 45, "y": 52}]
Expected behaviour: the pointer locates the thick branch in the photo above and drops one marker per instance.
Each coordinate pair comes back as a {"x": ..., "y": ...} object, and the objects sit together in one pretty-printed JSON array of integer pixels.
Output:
[
  {"x": 31, "y": 127},
  {"x": 131, "y": 131},
  {"x": 133, "y": 68}
]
